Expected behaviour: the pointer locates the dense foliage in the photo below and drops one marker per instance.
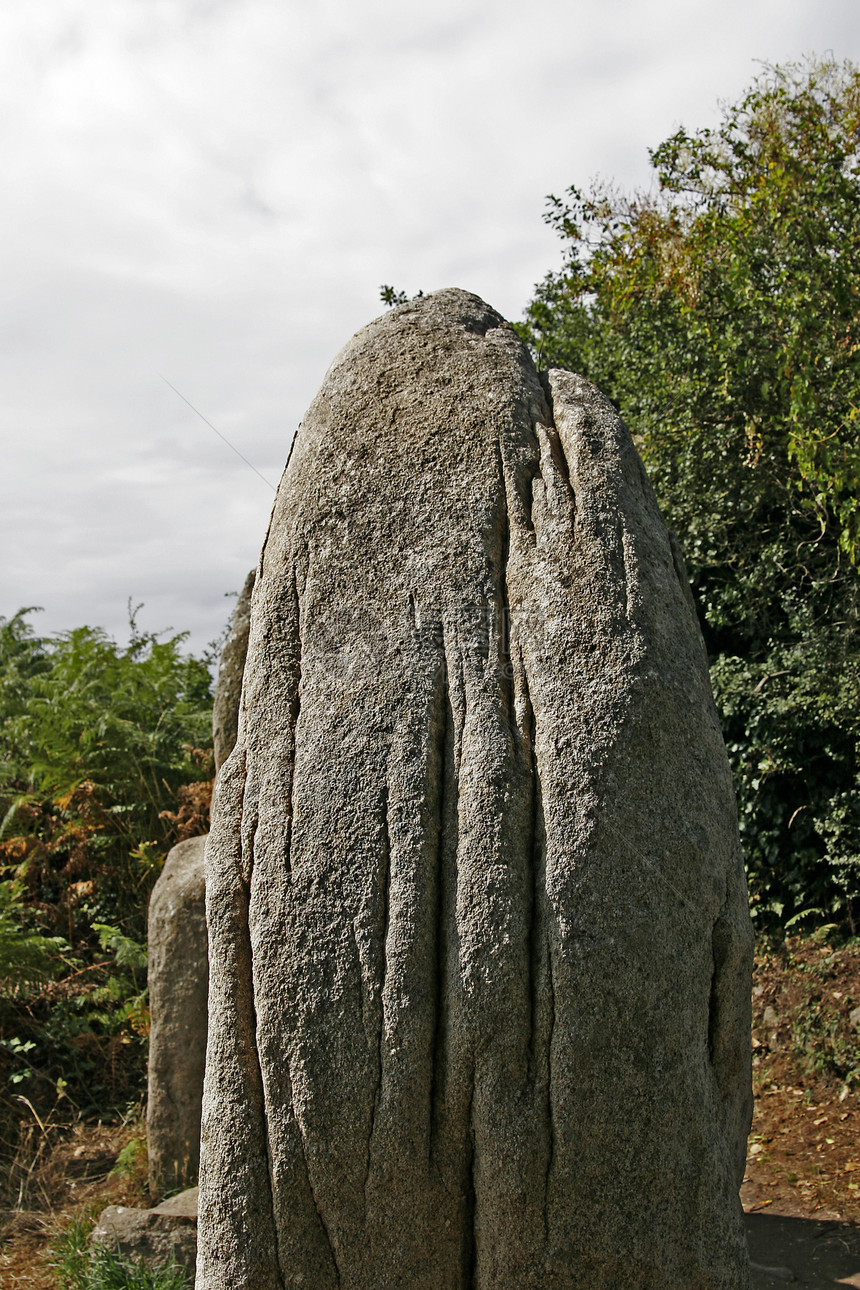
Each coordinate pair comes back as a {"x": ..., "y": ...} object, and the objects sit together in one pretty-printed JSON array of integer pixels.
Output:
[
  {"x": 105, "y": 758},
  {"x": 720, "y": 314}
]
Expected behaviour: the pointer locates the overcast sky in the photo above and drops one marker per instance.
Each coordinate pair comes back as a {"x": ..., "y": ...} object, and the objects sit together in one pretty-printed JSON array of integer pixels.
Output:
[{"x": 210, "y": 193}]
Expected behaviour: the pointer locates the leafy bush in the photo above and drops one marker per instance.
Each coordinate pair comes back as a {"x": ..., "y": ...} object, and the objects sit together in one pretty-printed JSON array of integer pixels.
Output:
[
  {"x": 721, "y": 316},
  {"x": 96, "y": 743},
  {"x": 27, "y": 957},
  {"x": 105, "y": 758},
  {"x": 824, "y": 1034}
]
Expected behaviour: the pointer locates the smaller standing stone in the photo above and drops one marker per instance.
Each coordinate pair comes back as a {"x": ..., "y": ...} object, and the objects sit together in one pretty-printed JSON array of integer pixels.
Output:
[
  {"x": 228, "y": 688},
  {"x": 178, "y": 987},
  {"x": 153, "y": 1237}
]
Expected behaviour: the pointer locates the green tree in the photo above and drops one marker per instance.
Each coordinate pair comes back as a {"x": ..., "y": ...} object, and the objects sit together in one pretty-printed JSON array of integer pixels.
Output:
[{"x": 720, "y": 313}]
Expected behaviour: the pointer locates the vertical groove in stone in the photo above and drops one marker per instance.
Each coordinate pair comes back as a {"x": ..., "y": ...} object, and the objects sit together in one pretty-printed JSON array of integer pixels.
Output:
[
  {"x": 502, "y": 607},
  {"x": 316, "y": 1205},
  {"x": 550, "y": 1120},
  {"x": 246, "y": 893},
  {"x": 246, "y": 970},
  {"x": 556, "y": 447},
  {"x": 295, "y": 710},
  {"x": 385, "y": 889},
  {"x": 469, "y": 1254},
  {"x": 444, "y": 763},
  {"x": 536, "y": 866}
]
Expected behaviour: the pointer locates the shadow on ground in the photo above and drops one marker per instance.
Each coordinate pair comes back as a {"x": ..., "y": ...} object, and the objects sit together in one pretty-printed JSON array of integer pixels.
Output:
[{"x": 802, "y": 1251}]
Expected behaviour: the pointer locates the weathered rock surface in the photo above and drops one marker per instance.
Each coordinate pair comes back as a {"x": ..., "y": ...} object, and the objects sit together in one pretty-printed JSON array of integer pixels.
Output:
[
  {"x": 154, "y": 1237},
  {"x": 178, "y": 957},
  {"x": 231, "y": 665},
  {"x": 480, "y": 946},
  {"x": 178, "y": 988}
]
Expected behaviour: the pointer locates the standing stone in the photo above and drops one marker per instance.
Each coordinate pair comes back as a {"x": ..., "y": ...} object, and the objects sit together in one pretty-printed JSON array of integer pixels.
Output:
[
  {"x": 228, "y": 689},
  {"x": 179, "y": 961},
  {"x": 481, "y": 955},
  {"x": 155, "y": 1237},
  {"x": 178, "y": 987}
]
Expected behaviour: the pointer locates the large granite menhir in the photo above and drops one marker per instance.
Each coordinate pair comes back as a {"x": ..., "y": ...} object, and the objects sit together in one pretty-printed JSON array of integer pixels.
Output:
[{"x": 480, "y": 949}]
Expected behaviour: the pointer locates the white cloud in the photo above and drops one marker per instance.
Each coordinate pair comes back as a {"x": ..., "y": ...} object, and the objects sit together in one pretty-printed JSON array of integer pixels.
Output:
[{"x": 213, "y": 192}]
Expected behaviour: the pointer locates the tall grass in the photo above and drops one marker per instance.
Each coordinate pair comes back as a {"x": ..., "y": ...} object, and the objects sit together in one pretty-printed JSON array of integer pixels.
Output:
[{"x": 82, "y": 1267}]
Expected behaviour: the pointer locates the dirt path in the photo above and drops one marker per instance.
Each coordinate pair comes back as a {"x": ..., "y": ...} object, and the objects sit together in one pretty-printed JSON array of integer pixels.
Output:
[
  {"x": 800, "y": 1193},
  {"x": 793, "y": 1249}
]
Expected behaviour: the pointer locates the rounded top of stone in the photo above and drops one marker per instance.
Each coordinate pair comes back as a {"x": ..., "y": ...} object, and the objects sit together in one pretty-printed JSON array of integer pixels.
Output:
[
  {"x": 182, "y": 873},
  {"x": 451, "y": 306},
  {"x": 448, "y": 310}
]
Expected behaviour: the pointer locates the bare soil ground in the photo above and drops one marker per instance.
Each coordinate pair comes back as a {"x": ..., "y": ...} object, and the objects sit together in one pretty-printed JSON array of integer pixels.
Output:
[
  {"x": 802, "y": 1186},
  {"x": 75, "y": 1175}
]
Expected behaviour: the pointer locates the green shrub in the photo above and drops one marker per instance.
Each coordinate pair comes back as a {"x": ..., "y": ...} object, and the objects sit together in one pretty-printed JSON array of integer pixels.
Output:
[
  {"x": 720, "y": 313},
  {"x": 105, "y": 762},
  {"x": 27, "y": 957},
  {"x": 97, "y": 741}
]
